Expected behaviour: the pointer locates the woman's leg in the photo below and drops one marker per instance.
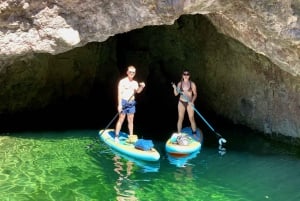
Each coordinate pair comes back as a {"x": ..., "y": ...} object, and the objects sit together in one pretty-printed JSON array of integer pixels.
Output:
[
  {"x": 190, "y": 112},
  {"x": 181, "y": 111}
]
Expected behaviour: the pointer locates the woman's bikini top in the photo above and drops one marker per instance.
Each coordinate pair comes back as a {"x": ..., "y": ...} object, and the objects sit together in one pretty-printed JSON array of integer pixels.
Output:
[{"x": 189, "y": 89}]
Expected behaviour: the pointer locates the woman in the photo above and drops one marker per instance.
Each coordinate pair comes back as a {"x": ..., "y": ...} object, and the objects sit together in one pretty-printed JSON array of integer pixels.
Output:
[{"x": 188, "y": 94}]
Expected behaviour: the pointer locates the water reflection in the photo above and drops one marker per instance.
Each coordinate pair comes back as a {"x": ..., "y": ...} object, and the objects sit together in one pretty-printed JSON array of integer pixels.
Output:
[
  {"x": 124, "y": 186},
  {"x": 184, "y": 174},
  {"x": 181, "y": 161},
  {"x": 56, "y": 166},
  {"x": 126, "y": 167},
  {"x": 143, "y": 166}
]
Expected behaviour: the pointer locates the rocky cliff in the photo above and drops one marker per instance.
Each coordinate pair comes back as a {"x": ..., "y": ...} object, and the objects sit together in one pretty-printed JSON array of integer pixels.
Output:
[{"x": 243, "y": 54}]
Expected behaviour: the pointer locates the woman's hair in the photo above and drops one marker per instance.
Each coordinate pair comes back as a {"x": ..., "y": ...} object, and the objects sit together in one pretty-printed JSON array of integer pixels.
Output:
[{"x": 185, "y": 70}]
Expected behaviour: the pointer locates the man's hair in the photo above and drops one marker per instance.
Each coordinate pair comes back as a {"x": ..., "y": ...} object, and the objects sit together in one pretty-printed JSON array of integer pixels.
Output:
[{"x": 131, "y": 67}]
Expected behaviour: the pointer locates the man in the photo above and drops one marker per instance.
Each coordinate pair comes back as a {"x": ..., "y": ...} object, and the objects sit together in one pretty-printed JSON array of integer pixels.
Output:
[{"x": 127, "y": 88}]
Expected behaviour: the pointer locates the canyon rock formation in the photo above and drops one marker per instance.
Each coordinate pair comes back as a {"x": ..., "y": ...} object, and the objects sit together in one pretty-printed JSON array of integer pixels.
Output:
[{"x": 257, "y": 84}]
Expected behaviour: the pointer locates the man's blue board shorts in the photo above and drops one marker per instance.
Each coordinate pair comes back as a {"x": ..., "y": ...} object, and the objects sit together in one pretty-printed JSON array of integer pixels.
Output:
[{"x": 128, "y": 106}]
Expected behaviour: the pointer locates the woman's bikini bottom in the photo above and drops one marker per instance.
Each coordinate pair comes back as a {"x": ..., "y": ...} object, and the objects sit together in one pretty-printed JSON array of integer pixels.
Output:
[{"x": 184, "y": 103}]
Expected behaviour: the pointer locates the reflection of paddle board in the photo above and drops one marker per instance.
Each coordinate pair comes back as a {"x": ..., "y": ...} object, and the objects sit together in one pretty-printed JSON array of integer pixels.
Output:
[
  {"x": 193, "y": 145},
  {"x": 181, "y": 161},
  {"x": 124, "y": 147},
  {"x": 146, "y": 166}
]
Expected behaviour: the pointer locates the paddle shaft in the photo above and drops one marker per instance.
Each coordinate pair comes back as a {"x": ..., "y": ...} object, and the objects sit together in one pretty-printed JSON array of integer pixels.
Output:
[{"x": 113, "y": 119}]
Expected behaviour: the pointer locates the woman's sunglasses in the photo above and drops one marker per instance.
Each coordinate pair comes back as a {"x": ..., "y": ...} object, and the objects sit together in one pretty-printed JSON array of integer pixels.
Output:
[{"x": 186, "y": 74}]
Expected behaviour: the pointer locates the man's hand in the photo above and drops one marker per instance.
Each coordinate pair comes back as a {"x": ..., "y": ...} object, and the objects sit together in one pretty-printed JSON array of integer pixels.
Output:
[
  {"x": 120, "y": 108},
  {"x": 142, "y": 84}
]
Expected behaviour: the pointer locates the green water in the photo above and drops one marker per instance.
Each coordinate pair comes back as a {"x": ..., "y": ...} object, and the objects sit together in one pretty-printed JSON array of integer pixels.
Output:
[{"x": 73, "y": 165}]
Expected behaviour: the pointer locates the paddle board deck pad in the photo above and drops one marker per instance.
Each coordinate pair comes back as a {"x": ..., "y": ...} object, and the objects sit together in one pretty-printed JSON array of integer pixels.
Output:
[
  {"x": 124, "y": 146},
  {"x": 193, "y": 143}
]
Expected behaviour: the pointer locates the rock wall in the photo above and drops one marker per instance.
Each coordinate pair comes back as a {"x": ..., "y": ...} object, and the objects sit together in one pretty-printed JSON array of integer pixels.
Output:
[
  {"x": 270, "y": 28},
  {"x": 49, "y": 54},
  {"x": 233, "y": 81},
  {"x": 249, "y": 89}
]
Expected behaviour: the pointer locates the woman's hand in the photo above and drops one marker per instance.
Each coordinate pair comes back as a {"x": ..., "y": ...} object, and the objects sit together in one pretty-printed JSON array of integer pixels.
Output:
[
  {"x": 191, "y": 104},
  {"x": 174, "y": 86}
]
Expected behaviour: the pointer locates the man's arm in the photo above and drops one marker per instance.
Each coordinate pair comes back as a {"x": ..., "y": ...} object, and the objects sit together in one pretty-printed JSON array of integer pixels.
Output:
[
  {"x": 141, "y": 87},
  {"x": 120, "y": 88}
]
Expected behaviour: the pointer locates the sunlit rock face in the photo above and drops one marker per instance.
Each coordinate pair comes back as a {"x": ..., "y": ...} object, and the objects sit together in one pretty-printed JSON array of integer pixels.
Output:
[
  {"x": 270, "y": 28},
  {"x": 258, "y": 87}
]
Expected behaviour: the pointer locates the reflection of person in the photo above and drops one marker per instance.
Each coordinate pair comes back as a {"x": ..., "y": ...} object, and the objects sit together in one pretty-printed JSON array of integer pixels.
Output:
[
  {"x": 186, "y": 100},
  {"x": 127, "y": 87},
  {"x": 184, "y": 173},
  {"x": 123, "y": 188}
]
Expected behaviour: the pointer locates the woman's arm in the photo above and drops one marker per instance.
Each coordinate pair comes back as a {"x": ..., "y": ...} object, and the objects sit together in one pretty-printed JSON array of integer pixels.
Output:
[
  {"x": 194, "y": 90},
  {"x": 175, "y": 89}
]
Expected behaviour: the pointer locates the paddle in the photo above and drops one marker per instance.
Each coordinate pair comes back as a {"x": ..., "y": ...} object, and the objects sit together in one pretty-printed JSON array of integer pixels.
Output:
[
  {"x": 108, "y": 125},
  {"x": 221, "y": 139}
]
